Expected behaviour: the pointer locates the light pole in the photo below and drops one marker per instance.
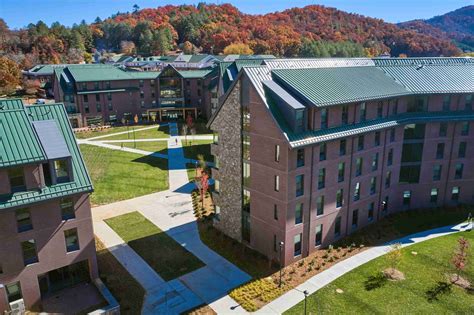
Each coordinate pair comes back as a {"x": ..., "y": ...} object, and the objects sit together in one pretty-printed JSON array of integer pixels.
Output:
[
  {"x": 305, "y": 292},
  {"x": 281, "y": 261}
]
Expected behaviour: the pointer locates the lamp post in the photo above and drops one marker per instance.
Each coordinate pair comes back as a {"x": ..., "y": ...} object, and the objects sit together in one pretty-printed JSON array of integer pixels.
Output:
[
  {"x": 281, "y": 261},
  {"x": 305, "y": 292}
]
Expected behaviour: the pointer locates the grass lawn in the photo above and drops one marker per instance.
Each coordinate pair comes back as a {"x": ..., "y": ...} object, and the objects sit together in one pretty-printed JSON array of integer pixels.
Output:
[
  {"x": 155, "y": 146},
  {"x": 168, "y": 258},
  {"x": 153, "y": 133},
  {"x": 128, "y": 292},
  {"x": 103, "y": 132},
  {"x": 192, "y": 148},
  {"x": 422, "y": 271},
  {"x": 191, "y": 169},
  {"x": 118, "y": 175}
]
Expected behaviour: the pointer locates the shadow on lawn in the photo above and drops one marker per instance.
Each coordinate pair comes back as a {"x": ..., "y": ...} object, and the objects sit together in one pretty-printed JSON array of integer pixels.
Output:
[
  {"x": 440, "y": 288},
  {"x": 154, "y": 161},
  {"x": 375, "y": 281}
]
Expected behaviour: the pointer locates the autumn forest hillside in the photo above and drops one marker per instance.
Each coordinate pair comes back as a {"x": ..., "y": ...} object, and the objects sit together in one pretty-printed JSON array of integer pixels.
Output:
[{"x": 312, "y": 31}]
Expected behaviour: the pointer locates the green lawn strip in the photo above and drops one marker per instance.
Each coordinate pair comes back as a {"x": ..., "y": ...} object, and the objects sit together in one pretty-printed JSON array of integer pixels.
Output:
[
  {"x": 128, "y": 292},
  {"x": 422, "y": 272},
  {"x": 150, "y": 146},
  {"x": 192, "y": 148},
  {"x": 101, "y": 132},
  {"x": 118, "y": 175},
  {"x": 168, "y": 258},
  {"x": 152, "y": 133}
]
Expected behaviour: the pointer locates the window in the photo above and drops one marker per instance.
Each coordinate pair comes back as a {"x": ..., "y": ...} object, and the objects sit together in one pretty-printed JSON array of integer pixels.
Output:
[
  {"x": 468, "y": 102},
  {"x": 152, "y": 82},
  {"x": 98, "y": 107},
  {"x": 85, "y": 97},
  {"x": 418, "y": 105},
  {"x": 342, "y": 147},
  {"x": 142, "y": 94},
  {"x": 17, "y": 179},
  {"x": 345, "y": 115},
  {"x": 246, "y": 147},
  {"x": 275, "y": 244},
  {"x": 446, "y": 102},
  {"x": 13, "y": 292},
  {"x": 297, "y": 243},
  {"x": 86, "y": 109},
  {"x": 440, "y": 151},
  {"x": 277, "y": 153},
  {"x": 275, "y": 212},
  {"x": 322, "y": 152},
  {"x": 96, "y": 85},
  {"x": 72, "y": 241},
  {"x": 84, "y": 87},
  {"x": 339, "y": 198},
  {"x": 390, "y": 157},
  {"x": 217, "y": 186},
  {"x": 67, "y": 208},
  {"x": 300, "y": 158},
  {"x": 455, "y": 193},
  {"x": 337, "y": 227},
  {"x": 355, "y": 218},
  {"x": 458, "y": 171},
  {"x": 357, "y": 192},
  {"x": 359, "y": 166},
  {"x": 377, "y": 138},
  {"x": 409, "y": 174},
  {"x": 322, "y": 178},
  {"x": 97, "y": 97},
  {"x": 29, "y": 252},
  {"x": 107, "y": 84},
  {"x": 373, "y": 185},
  {"x": 434, "y": 195},
  {"x": 340, "y": 171},
  {"x": 61, "y": 169},
  {"x": 319, "y": 235},
  {"x": 217, "y": 164},
  {"x": 299, "y": 185},
  {"x": 362, "y": 112},
  {"x": 217, "y": 212},
  {"x": 110, "y": 107},
  {"x": 395, "y": 107},
  {"x": 320, "y": 205},
  {"x": 140, "y": 83},
  {"x": 299, "y": 120},
  {"x": 370, "y": 212},
  {"x": 277, "y": 183},
  {"x": 380, "y": 109},
  {"x": 414, "y": 132},
  {"x": 23, "y": 220},
  {"x": 462, "y": 150},
  {"x": 392, "y": 135},
  {"x": 406, "y": 197},
  {"x": 412, "y": 152},
  {"x": 465, "y": 128},
  {"x": 360, "y": 143},
  {"x": 375, "y": 161},
  {"x": 324, "y": 118},
  {"x": 299, "y": 213},
  {"x": 443, "y": 129},
  {"x": 388, "y": 179},
  {"x": 437, "y": 172}
]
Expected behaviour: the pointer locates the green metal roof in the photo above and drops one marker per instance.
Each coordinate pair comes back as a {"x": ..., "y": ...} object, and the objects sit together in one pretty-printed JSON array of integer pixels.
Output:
[
  {"x": 434, "y": 78},
  {"x": 331, "y": 86},
  {"x": 194, "y": 74},
  {"x": 15, "y": 103},
  {"x": 81, "y": 181},
  {"x": 19, "y": 143},
  {"x": 90, "y": 73}
]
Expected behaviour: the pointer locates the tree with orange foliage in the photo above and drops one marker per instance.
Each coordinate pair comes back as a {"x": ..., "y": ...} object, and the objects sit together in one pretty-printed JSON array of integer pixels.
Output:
[{"x": 238, "y": 49}]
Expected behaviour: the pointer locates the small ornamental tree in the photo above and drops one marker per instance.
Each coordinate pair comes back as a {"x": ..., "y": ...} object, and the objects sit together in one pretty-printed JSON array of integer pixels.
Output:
[
  {"x": 394, "y": 256},
  {"x": 204, "y": 186},
  {"x": 459, "y": 260},
  {"x": 184, "y": 132}
]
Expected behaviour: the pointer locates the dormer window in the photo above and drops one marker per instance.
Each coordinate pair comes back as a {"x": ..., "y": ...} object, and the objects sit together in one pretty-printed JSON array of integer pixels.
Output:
[
  {"x": 299, "y": 123},
  {"x": 17, "y": 179},
  {"x": 61, "y": 169}
]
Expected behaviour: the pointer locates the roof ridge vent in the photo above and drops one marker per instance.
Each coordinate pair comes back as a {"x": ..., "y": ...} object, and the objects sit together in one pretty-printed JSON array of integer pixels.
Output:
[{"x": 420, "y": 66}]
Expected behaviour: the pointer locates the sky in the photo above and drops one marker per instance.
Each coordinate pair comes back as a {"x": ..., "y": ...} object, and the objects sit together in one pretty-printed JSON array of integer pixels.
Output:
[{"x": 19, "y": 13}]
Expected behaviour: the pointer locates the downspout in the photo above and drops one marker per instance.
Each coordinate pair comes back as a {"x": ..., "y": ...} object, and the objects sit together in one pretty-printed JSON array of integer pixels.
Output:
[
  {"x": 310, "y": 200},
  {"x": 350, "y": 172}
]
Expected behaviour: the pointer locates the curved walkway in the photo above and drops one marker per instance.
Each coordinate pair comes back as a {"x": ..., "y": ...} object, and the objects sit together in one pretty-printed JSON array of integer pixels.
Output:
[{"x": 294, "y": 296}]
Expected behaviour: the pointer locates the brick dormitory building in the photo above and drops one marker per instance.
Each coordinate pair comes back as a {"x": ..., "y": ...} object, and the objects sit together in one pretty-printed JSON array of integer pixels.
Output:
[
  {"x": 46, "y": 237},
  {"x": 310, "y": 150}
]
